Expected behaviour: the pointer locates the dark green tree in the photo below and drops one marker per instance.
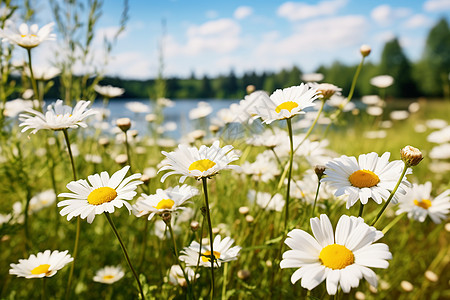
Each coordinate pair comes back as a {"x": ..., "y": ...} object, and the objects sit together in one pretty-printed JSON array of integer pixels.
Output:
[
  {"x": 434, "y": 68},
  {"x": 395, "y": 63}
]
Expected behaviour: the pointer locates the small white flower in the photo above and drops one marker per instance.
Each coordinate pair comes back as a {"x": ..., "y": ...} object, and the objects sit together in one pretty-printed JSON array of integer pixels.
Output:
[
  {"x": 27, "y": 37},
  {"x": 109, "y": 91},
  {"x": 101, "y": 194},
  {"x": 419, "y": 204},
  {"x": 285, "y": 103},
  {"x": 109, "y": 274},
  {"x": 57, "y": 117},
  {"x": 382, "y": 81},
  {"x": 137, "y": 107},
  {"x": 41, "y": 200},
  {"x": 198, "y": 163},
  {"x": 266, "y": 200},
  {"x": 176, "y": 276},
  {"x": 168, "y": 200},
  {"x": 341, "y": 258},
  {"x": 370, "y": 177},
  {"x": 43, "y": 264},
  {"x": 202, "y": 110},
  {"x": 221, "y": 251}
]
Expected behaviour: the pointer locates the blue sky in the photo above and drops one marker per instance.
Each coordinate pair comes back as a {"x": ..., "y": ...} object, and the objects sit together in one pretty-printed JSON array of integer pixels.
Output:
[{"x": 213, "y": 37}]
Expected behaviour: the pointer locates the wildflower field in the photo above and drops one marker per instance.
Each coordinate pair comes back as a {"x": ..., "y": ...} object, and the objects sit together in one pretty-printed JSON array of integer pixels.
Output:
[{"x": 303, "y": 193}]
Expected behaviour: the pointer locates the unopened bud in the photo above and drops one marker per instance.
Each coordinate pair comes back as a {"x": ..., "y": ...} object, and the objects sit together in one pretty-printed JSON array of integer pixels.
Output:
[
  {"x": 243, "y": 210},
  {"x": 121, "y": 159},
  {"x": 103, "y": 141},
  {"x": 124, "y": 124},
  {"x": 406, "y": 286},
  {"x": 145, "y": 179},
  {"x": 365, "y": 50},
  {"x": 150, "y": 118},
  {"x": 215, "y": 230},
  {"x": 319, "y": 170},
  {"x": 431, "y": 276},
  {"x": 250, "y": 88},
  {"x": 134, "y": 133},
  {"x": 195, "y": 225},
  {"x": 411, "y": 156},
  {"x": 360, "y": 295},
  {"x": 249, "y": 219},
  {"x": 243, "y": 274},
  {"x": 214, "y": 128}
]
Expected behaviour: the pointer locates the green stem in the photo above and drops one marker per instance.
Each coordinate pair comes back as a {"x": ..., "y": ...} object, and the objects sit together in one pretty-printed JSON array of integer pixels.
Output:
[
  {"x": 127, "y": 146},
  {"x": 175, "y": 250},
  {"x": 43, "y": 296},
  {"x": 315, "y": 199},
  {"x": 77, "y": 235},
  {"x": 291, "y": 159},
  {"x": 144, "y": 243},
  {"x": 308, "y": 133},
  {"x": 33, "y": 81},
  {"x": 350, "y": 95},
  {"x": 224, "y": 286},
  {"x": 200, "y": 247},
  {"x": 405, "y": 168},
  {"x": 125, "y": 253},
  {"x": 361, "y": 208},
  {"x": 211, "y": 240},
  {"x": 393, "y": 222}
]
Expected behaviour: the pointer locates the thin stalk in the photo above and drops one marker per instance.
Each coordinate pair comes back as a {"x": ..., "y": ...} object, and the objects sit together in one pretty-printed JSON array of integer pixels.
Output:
[
  {"x": 350, "y": 95},
  {"x": 127, "y": 146},
  {"x": 175, "y": 250},
  {"x": 125, "y": 253},
  {"x": 211, "y": 240},
  {"x": 291, "y": 159},
  {"x": 315, "y": 200},
  {"x": 224, "y": 286},
  {"x": 405, "y": 168},
  {"x": 201, "y": 242},
  {"x": 43, "y": 296},
  {"x": 33, "y": 81},
  {"x": 77, "y": 235},
  {"x": 144, "y": 243},
  {"x": 308, "y": 133},
  {"x": 361, "y": 208},
  {"x": 393, "y": 222}
]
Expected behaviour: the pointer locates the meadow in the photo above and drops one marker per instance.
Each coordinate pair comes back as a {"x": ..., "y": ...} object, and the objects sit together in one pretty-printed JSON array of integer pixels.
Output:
[{"x": 303, "y": 193}]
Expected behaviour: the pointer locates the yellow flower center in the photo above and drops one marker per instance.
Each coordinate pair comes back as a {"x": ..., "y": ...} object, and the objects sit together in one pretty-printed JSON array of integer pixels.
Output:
[
  {"x": 25, "y": 35},
  {"x": 364, "y": 179},
  {"x": 289, "y": 105},
  {"x": 165, "y": 204},
  {"x": 206, "y": 256},
  {"x": 202, "y": 165},
  {"x": 336, "y": 257},
  {"x": 41, "y": 269},
  {"x": 108, "y": 277},
  {"x": 424, "y": 203},
  {"x": 102, "y": 195}
]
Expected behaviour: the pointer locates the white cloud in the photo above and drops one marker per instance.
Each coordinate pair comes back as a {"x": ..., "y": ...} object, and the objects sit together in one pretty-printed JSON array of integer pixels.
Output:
[
  {"x": 417, "y": 21},
  {"x": 385, "y": 15},
  {"x": 383, "y": 37},
  {"x": 295, "y": 11},
  {"x": 133, "y": 64},
  {"x": 218, "y": 36},
  {"x": 436, "y": 5},
  {"x": 212, "y": 14},
  {"x": 242, "y": 12}
]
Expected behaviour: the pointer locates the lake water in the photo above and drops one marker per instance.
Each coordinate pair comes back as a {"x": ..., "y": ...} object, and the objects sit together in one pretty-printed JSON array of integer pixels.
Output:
[{"x": 179, "y": 113}]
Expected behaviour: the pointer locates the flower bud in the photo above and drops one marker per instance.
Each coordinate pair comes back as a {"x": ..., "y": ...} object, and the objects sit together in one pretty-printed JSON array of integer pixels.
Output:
[
  {"x": 195, "y": 225},
  {"x": 365, "y": 50},
  {"x": 431, "y": 276},
  {"x": 243, "y": 210},
  {"x": 243, "y": 274},
  {"x": 124, "y": 124},
  {"x": 121, "y": 159},
  {"x": 249, "y": 219},
  {"x": 411, "y": 156},
  {"x": 319, "y": 170},
  {"x": 214, "y": 128},
  {"x": 145, "y": 179},
  {"x": 103, "y": 141},
  {"x": 406, "y": 286},
  {"x": 250, "y": 88}
]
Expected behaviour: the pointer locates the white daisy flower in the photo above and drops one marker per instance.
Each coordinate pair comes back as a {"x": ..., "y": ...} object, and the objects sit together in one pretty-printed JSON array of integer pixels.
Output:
[
  {"x": 266, "y": 200},
  {"x": 57, "y": 117},
  {"x": 168, "y": 200},
  {"x": 198, "y": 163},
  {"x": 325, "y": 90},
  {"x": 202, "y": 110},
  {"x": 43, "y": 264},
  {"x": 42, "y": 200},
  {"x": 382, "y": 81},
  {"x": 109, "y": 274},
  {"x": 101, "y": 194},
  {"x": 109, "y": 91},
  {"x": 340, "y": 258},
  {"x": 43, "y": 73},
  {"x": 369, "y": 177},
  {"x": 419, "y": 204},
  {"x": 285, "y": 103},
  {"x": 137, "y": 107},
  {"x": 222, "y": 252},
  {"x": 27, "y": 37},
  {"x": 264, "y": 168},
  {"x": 176, "y": 276}
]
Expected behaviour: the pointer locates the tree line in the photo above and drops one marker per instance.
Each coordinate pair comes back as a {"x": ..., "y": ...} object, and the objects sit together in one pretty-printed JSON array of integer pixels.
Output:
[{"x": 427, "y": 77}]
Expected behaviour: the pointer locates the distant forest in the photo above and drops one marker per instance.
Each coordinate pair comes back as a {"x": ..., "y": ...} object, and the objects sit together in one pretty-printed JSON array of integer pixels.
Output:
[{"x": 427, "y": 77}]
